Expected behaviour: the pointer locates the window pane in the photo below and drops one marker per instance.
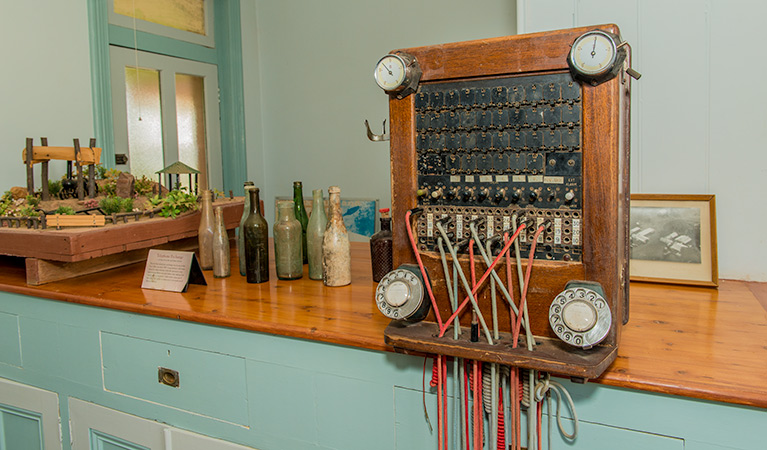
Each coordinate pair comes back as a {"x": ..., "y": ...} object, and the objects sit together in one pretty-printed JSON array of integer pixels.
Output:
[
  {"x": 190, "y": 119},
  {"x": 142, "y": 96},
  {"x": 187, "y": 15}
]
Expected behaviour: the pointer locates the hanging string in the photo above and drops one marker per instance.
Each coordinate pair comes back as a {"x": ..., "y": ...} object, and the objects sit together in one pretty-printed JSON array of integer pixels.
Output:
[{"x": 135, "y": 50}]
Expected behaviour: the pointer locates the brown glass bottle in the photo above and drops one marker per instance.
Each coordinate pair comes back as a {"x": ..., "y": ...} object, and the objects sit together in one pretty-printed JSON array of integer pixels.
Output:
[
  {"x": 256, "y": 232},
  {"x": 381, "y": 248}
]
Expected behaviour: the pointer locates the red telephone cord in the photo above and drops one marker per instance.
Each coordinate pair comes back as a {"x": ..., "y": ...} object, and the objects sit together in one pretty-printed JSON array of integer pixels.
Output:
[
  {"x": 487, "y": 273},
  {"x": 420, "y": 266}
]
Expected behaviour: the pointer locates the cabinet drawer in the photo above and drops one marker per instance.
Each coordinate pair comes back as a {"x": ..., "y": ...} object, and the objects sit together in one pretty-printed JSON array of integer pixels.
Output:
[{"x": 211, "y": 384}]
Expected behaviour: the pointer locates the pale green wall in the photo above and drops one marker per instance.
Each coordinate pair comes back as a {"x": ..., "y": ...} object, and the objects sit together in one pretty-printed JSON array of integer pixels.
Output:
[
  {"x": 311, "y": 74},
  {"x": 45, "y": 86}
]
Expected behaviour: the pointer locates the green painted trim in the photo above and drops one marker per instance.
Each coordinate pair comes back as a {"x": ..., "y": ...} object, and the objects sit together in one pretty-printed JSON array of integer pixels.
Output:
[
  {"x": 123, "y": 37},
  {"x": 227, "y": 56},
  {"x": 230, "y": 79},
  {"x": 103, "y": 123}
]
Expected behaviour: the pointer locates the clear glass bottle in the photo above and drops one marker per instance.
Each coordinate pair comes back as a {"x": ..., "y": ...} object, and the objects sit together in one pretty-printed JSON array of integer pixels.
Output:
[
  {"x": 288, "y": 255},
  {"x": 240, "y": 237},
  {"x": 381, "y": 248},
  {"x": 256, "y": 232},
  {"x": 315, "y": 232},
  {"x": 300, "y": 212},
  {"x": 205, "y": 231},
  {"x": 336, "y": 255},
  {"x": 222, "y": 263}
]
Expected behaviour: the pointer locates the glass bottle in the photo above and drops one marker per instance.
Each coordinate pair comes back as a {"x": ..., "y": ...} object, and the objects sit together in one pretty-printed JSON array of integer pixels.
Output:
[
  {"x": 336, "y": 256},
  {"x": 381, "y": 248},
  {"x": 315, "y": 231},
  {"x": 240, "y": 237},
  {"x": 256, "y": 232},
  {"x": 300, "y": 212},
  {"x": 205, "y": 232},
  {"x": 222, "y": 263},
  {"x": 288, "y": 254}
]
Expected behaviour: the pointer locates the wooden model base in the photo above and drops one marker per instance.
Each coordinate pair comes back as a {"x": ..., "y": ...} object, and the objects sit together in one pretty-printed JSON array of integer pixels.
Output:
[{"x": 53, "y": 255}]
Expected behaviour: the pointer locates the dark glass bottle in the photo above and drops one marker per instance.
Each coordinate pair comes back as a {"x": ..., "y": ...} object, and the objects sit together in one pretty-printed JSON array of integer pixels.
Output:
[
  {"x": 300, "y": 211},
  {"x": 256, "y": 232},
  {"x": 240, "y": 237},
  {"x": 381, "y": 248}
]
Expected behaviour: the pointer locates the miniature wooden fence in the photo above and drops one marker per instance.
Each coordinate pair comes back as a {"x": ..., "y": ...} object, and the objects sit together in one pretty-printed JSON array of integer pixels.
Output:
[{"x": 82, "y": 220}]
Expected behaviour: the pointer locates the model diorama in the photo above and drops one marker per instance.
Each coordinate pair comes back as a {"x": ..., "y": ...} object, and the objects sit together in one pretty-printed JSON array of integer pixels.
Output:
[{"x": 105, "y": 219}]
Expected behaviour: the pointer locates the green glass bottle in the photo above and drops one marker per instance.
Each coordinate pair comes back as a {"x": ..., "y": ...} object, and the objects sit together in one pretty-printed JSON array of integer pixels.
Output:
[
  {"x": 287, "y": 243},
  {"x": 300, "y": 211},
  {"x": 256, "y": 232},
  {"x": 315, "y": 232}
]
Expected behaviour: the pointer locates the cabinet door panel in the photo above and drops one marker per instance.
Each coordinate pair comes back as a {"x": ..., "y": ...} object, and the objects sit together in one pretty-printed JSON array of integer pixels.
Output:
[
  {"x": 102, "y": 441},
  {"x": 20, "y": 429},
  {"x": 96, "y": 427},
  {"x": 29, "y": 417}
]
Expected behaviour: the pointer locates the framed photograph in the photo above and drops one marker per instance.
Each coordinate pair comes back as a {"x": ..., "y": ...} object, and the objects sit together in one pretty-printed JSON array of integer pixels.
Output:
[
  {"x": 360, "y": 215},
  {"x": 673, "y": 239}
]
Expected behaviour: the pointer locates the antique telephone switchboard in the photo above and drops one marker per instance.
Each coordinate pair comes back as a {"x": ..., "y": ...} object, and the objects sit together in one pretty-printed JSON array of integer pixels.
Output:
[{"x": 525, "y": 133}]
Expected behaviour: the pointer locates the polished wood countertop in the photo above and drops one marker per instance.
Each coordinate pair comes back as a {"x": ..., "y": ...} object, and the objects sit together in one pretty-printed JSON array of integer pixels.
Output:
[{"x": 690, "y": 341}]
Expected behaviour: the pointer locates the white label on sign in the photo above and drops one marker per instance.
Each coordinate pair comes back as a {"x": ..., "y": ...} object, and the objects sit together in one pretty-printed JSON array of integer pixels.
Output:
[
  {"x": 538, "y": 222},
  {"x": 557, "y": 231},
  {"x": 459, "y": 227},
  {"x": 485, "y": 178},
  {"x": 506, "y": 223},
  {"x": 502, "y": 178},
  {"x": 576, "y": 231},
  {"x": 518, "y": 178},
  {"x": 490, "y": 227},
  {"x": 455, "y": 178},
  {"x": 535, "y": 179},
  {"x": 429, "y": 225},
  {"x": 554, "y": 180},
  {"x": 469, "y": 178}
]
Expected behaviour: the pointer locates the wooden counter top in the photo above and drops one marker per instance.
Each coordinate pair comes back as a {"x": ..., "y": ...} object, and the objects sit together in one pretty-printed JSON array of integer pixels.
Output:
[{"x": 696, "y": 342}]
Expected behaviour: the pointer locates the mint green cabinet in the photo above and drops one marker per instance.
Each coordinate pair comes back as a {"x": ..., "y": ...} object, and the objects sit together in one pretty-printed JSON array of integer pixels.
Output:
[{"x": 272, "y": 392}]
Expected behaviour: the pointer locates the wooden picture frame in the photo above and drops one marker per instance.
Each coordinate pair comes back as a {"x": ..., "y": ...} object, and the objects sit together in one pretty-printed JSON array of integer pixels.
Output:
[{"x": 673, "y": 239}]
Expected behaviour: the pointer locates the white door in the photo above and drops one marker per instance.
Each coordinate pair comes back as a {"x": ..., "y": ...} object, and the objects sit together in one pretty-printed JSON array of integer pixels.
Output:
[{"x": 166, "y": 111}]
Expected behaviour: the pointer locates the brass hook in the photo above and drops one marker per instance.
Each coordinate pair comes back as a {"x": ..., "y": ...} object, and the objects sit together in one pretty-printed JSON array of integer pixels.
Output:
[{"x": 377, "y": 137}]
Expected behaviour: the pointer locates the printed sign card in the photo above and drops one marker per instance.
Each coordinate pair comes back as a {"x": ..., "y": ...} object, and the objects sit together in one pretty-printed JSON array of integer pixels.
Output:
[{"x": 169, "y": 270}]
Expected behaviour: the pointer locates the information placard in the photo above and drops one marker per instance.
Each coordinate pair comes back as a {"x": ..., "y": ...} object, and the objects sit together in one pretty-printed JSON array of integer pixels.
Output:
[{"x": 170, "y": 270}]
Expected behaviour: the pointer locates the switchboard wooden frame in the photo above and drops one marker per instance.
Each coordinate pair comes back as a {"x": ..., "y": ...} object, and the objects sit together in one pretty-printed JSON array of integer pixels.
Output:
[{"x": 605, "y": 144}]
